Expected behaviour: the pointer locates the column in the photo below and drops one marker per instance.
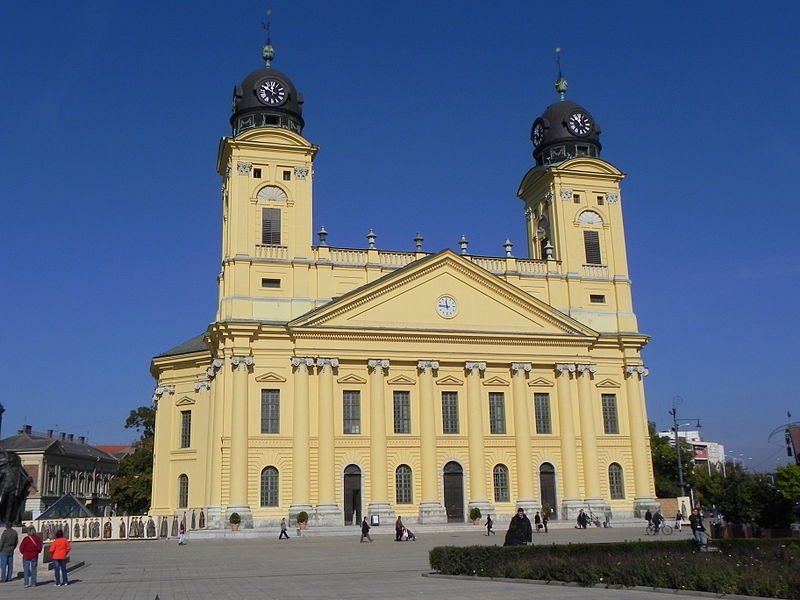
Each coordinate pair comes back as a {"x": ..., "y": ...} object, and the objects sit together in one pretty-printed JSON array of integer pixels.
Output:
[
  {"x": 644, "y": 496},
  {"x": 571, "y": 502},
  {"x": 522, "y": 438},
  {"x": 237, "y": 496},
  {"x": 431, "y": 509},
  {"x": 591, "y": 477},
  {"x": 214, "y": 516},
  {"x": 379, "y": 492},
  {"x": 477, "y": 453},
  {"x": 328, "y": 512},
  {"x": 300, "y": 438}
]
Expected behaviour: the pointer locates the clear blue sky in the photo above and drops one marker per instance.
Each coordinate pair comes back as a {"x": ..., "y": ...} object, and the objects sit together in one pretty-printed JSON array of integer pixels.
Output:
[{"x": 112, "y": 112}]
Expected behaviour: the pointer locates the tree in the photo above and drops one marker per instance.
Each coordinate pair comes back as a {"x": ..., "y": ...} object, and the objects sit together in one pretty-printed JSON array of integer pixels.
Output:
[
  {"x": 132, "y": 486},
  {"x": 665, "y": 464},
  {"x": 787, "y": 480}
]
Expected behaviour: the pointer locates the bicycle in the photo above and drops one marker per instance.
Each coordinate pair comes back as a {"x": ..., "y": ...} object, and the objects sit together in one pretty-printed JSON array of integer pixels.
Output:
[{"x": 663, "y": 528}]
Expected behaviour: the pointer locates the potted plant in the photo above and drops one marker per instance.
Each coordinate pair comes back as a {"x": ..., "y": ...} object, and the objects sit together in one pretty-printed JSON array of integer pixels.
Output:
[
  {"x": 302, "y": 519},
  {"x": 475, "y": 515},
  {"x": 235, "y": 519}
]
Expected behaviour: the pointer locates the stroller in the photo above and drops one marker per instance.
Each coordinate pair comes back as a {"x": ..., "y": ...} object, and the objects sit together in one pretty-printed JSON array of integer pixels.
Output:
[{"x": 407, "y": 535}]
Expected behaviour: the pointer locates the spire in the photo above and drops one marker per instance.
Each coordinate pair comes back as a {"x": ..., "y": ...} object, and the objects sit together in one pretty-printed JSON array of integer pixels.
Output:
[
  {"x": 561, "y": 83},
  {"x": 268, "y": 52}
]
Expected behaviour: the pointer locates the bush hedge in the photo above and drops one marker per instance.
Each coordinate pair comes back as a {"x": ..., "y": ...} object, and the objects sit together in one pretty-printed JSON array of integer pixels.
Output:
[{"x": 763, "y": 567}]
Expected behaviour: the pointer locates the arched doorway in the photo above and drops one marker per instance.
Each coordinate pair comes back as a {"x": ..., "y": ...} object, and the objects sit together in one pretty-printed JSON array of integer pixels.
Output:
[
  {"x": 352, "y": 495},
  {"x": 547, "y": 486},
  {"x": 454, "y": 492}
]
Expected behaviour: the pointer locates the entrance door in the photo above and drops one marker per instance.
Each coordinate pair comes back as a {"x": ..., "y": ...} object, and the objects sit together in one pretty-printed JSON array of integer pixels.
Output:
[
  {"x": 454, "y": 492},
  {"x": 547, "y": 485},
  {"x": 352, "y": 495}
]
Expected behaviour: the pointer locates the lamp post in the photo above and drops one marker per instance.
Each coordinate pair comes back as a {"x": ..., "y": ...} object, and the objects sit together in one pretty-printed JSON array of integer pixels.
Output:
[{"x": 676, "y": 423}]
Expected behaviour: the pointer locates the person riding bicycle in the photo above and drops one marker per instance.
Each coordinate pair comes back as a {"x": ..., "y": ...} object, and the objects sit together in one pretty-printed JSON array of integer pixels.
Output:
[{"x": 658, "y": 519}]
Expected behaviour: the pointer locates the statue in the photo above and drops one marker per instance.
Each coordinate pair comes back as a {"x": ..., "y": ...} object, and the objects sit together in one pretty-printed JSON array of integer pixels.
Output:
[{"x": 14, "y": 485}]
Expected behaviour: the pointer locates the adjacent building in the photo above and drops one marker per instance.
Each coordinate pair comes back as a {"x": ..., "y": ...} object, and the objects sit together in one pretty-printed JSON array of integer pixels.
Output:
[{"x": 352, "y": 381}]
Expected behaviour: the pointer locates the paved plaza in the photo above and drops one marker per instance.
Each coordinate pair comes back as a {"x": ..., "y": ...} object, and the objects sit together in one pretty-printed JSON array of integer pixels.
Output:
[{"x": 311, "y": 567}]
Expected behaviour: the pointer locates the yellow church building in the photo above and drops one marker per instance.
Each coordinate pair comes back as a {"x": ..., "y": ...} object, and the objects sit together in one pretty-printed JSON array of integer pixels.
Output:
[{"x": 351, "y": 382}]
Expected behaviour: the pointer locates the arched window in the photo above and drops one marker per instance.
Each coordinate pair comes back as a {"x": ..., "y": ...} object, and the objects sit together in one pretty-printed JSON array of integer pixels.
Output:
[
  {"x": 501, "y": 484},
  {"x": 269, "y": 486},
  {"x": 183, "y": 491},
  {"x": 616, "y": 482},
  {"x": 402, "y": 482}
]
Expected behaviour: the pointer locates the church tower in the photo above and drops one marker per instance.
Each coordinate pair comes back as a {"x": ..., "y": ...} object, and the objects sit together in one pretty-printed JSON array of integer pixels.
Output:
[{"x": 267, "y": 168}]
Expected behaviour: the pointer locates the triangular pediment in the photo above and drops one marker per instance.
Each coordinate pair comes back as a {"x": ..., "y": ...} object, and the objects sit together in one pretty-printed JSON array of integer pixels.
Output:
[
  {"x": 444, "y": 294},
  {"x": 401, "y": 380},
  {"x": 449, "y": 380},
  {"x": 185, "y": 401},
  {"x": 608, "y": 383},
  {"x": 495, "y": 381},
  {"x": 270, "y": 378},
  {"x": 351, "y": 378},
  {"x": 540, "y": 382}
]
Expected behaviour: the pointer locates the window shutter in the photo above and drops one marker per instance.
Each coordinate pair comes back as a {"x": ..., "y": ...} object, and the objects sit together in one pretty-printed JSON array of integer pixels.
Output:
[
  {"x": 271, "y": 226},
  {"x": 591, "y": 242}
]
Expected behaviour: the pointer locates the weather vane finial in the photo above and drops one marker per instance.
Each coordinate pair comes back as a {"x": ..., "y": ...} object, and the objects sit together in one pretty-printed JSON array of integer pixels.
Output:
[
  {"x": 268, "y": 53},
  {"x": 561, "y": 83}
]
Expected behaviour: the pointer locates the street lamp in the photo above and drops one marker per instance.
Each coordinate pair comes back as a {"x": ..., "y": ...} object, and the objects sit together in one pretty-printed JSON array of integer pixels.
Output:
[{"x": 676, "y": 424}]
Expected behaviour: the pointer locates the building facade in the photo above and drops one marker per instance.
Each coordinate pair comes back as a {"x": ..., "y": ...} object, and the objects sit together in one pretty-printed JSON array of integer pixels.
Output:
[
  {"x": 59, "y": 464},
  {"x": 344, "y": 382}
]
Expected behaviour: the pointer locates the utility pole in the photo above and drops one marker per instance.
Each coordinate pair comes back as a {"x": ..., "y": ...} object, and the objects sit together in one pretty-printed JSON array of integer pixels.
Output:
[{"x": 676, "y": 423}]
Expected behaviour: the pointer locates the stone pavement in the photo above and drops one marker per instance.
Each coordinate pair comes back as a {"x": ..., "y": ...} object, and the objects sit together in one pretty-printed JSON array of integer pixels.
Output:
[{"x": 313, "y": 568}]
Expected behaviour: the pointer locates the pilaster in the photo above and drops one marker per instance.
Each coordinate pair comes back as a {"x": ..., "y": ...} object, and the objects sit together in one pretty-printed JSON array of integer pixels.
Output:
[
  {"x": 431, "y": 509},
  {"x": 301, "y": 442},
  {"x": 477, "y": 453},
  {"x": 328, "y": 511},
  {"x": 644, "y": 498},
  {"x": 237, "y": 498},
  {"x": 570, "y": 502},
  {"x": 522, "y": 437},
  {"x": 379, "y": 500}
]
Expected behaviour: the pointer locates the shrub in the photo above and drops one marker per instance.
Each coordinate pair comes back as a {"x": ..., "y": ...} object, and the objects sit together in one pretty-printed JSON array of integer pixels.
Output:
[
  {"x": 302, "y": 517},
  {"x": 474, "y": 513},
  {"x": 235, "y": 518}
]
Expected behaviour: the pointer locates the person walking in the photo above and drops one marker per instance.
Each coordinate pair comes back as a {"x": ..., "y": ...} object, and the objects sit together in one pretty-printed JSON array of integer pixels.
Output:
[
  {"x": 283, "y": 530},
  {"x": 365, "y": 531},
  {"x": 545, "y": 519},
  {"x": 648, "y": 516},
  {"x": 519, "y": 531},
  {"x": 398, "y": 529},
  {"x": 489, "y": 525},
  {"x": 678, "y": 521},
  {"x": 537, "y": 521},
  {"x": 59, "y": 550},
  {"x": 182, "y": 534},
  {"x": 30, "y": 548},
  {"x": 698, "y": 530},
  {"x": 8, "y": 543}
]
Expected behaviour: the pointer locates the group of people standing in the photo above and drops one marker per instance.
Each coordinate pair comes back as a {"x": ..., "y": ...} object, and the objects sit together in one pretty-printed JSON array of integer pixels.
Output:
[{"x": 30, "y": 548}]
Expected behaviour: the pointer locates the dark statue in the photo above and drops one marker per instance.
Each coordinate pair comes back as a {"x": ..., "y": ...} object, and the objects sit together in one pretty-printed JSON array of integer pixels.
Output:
[{"x": 14, "y": 485}]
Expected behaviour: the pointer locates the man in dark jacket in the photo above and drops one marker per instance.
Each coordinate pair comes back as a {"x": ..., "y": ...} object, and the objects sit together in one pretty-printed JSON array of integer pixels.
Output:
[
  {"x": 365, "y": 530},
  {"x": 8, "y": 543},
  {"x": 519, "y": 531}
]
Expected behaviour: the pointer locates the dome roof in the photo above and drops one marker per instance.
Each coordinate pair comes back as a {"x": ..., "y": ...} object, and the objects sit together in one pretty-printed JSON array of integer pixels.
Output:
[
  {"x": 267, "y": 98},
  {"x": 565, "y": 130}
]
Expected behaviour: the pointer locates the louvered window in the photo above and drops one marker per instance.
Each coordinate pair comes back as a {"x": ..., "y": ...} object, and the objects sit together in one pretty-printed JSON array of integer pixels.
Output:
[
  {"x": 402, "y": 412},
  {"x": 270, "y": 411},
  {"x": 591, "y": 242},
  {"x": 271, "y": 226},
  {"x": 541, "y": 411},
  {"x": 497, "y": 412}
]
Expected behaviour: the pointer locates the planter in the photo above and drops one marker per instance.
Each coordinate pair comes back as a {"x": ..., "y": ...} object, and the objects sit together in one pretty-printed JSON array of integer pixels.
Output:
[
  {"x": 476, "y": 521},
  {"x": 235, "y": 527},
  {"x": 302, "y": 525}
]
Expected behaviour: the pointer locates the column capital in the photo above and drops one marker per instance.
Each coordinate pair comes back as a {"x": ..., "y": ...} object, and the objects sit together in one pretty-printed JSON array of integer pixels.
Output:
[
  {"x": 428, "y": 364},
  {"x": 586, "y": 369},
  {"x": 204, "y": 384},
  {"x": 473, "y": 366},
  {"x": 216, "y": 365},
  {"x": 521, "y": 367},
  {"x": 327, "y": 362},
  {"x": 237, "y": 361},
  {"x": 298, "y": 361},
  {"x": 378, "y": 363},
  {"x": 161, "y": 390},
  {"x": 641, "y": 370},
  {"x": 565, "y": 367}
]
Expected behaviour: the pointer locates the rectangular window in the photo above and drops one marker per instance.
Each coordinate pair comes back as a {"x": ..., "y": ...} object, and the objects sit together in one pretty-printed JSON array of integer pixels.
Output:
[
  {"x": 402, "y": 412},
  {"x": 597, "y": 298},
  {"x": 256, "y": 173},
  {"x": 541, "y": 412},
  {"x": 591, "y": 242},
  {"x": 351, "y": 403},
  {"x": 270, "y": 411},
  {"x": 500, "y": 476},
  {"x": 610, "y": 421},
  {"x": 576, "y": 198},
  {"x": 271, "y": 226},
  {"x": 449, "y": 412},
  {"x": 497, "y": 412},
  {"x": 186, "y": 428},
  {"x": 271, "y": 283},
  {"x": 287, "y": 175},
  {"x": 601, "y": 200}
]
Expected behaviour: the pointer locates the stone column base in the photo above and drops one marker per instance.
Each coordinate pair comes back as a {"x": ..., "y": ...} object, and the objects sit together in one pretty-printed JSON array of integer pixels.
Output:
[
  {"x": 531, "y": 507},
  {"x": 642, "y": 505},
  {"x": 383, "y": 509},
  {"x": 327, "y": 515},
  {"x": 296, "y": 508},
  {"x": 482, "y": 505},
  {"x": 214, "y": 518},
  {"x": 244, "y": 512},
  {"x": 432, "y": 512},
  {"x": 570, "y": 509}
]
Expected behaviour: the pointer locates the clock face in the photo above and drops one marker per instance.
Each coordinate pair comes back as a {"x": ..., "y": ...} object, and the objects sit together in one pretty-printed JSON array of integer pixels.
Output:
[
  {"x": 579, "y": 124},
  {"x": 446, "y": 307},
  {"x": 271, "y": 92},
  {"x": 538, "y": 133}
]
